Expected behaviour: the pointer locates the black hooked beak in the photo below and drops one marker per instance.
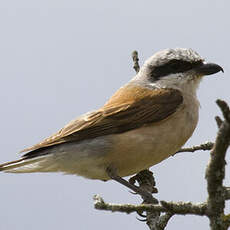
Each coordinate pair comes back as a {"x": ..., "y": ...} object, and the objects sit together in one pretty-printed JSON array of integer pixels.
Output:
[{"x": 208, "y": 69}]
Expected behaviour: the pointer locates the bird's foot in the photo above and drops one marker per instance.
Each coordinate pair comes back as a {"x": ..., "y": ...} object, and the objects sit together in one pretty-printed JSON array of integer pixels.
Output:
[{"x": 146, "y": 195}]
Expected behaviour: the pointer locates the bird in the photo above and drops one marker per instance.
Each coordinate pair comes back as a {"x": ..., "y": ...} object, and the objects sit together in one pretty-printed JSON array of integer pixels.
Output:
[{"x": 143, "y": 123}]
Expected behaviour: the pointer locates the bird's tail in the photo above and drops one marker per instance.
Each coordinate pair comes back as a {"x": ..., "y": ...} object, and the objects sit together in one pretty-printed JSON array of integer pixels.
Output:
[{"x": 22, "y": 165}]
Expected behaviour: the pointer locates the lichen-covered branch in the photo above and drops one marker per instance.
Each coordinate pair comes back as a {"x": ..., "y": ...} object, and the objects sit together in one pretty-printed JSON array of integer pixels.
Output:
[
  {"x": 184, "y": 208},
  {"x": 100, "y": 204},
  {"x": 215, "y": 172},
  {"x": 204, "y": 147},
  {"x": 181, "y": 208}
]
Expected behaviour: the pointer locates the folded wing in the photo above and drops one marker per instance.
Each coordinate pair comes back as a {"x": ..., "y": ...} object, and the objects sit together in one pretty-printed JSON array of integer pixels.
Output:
[{"x": 128, "y": 109}]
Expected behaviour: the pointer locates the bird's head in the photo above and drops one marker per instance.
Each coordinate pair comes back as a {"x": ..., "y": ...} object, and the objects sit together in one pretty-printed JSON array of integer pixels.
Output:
[{"x": 176, "y": 67}]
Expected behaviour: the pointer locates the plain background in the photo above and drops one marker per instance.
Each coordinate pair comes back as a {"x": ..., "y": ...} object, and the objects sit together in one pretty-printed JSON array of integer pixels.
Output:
[{"x": 59, "y": 59}]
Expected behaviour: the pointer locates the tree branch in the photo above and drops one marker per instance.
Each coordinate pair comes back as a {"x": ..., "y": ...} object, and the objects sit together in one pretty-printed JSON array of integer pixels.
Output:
[
  {"x": 180, "y": 208},
  {"x": 135, "y": 61},
  {"x": 218, "y": 121},
  {"x": 184, "y": 208},
  {"x": 204, "y": 147},
  {"x": 215, "y": 172}
]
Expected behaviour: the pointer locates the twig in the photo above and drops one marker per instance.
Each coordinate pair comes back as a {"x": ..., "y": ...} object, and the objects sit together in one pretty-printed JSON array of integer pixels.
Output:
[
  {"x": 224, "y": 109},
  {"x": 180, "y": 208},
  {"x": 215, "y": 172},
  {"x": 135, "y": 61},
  {"x": 218, "y": 121},
  {"x": 204, "y": 147}
]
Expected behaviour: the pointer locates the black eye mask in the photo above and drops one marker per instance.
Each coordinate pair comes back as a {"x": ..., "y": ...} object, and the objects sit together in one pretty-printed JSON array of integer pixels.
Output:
[{"x": 173, "y": 66}]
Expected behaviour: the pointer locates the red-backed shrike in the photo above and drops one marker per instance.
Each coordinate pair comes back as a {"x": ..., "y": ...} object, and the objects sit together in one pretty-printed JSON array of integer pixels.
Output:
[{"x": 143, "y": 123}]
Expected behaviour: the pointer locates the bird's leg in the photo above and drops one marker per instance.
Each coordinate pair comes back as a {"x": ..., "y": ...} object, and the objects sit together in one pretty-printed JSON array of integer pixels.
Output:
[
  {"x": 146, "y": 196},
  {"x": 146, "y": 181}
]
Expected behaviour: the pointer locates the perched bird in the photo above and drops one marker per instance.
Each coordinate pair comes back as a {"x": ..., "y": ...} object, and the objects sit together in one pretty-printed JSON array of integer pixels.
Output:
[{"x": 144, "y": 122}]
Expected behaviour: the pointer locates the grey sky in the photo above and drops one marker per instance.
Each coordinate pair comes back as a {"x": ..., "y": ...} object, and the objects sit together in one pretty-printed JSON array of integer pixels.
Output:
[{"x": 59, "y": 59}]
